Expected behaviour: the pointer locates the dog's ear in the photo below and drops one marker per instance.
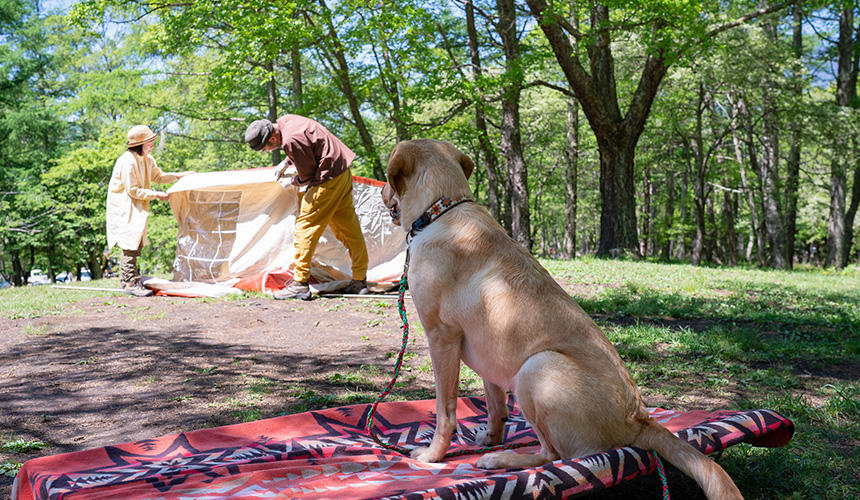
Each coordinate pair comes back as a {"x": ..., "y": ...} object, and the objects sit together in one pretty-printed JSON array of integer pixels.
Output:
[
  {"x": 400, "y": 166},
  {"x": 467, "y": 165}
]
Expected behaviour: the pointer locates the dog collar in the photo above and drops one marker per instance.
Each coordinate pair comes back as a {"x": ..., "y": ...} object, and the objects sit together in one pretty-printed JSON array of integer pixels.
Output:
[{"x": 435, "y": 211}]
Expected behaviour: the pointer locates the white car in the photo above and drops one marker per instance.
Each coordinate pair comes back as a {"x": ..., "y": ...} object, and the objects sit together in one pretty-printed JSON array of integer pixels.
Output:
[{"x": 37, "y": 277}]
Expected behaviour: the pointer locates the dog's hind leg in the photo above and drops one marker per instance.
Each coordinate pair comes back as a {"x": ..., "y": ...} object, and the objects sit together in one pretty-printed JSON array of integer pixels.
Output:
[
  {"x": 497, "y": 415},
  {"x": 554, "y": 397}
]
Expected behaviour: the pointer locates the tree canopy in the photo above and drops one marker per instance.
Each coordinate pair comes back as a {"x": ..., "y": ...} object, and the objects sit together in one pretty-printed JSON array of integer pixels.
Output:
[{"x": 707, "y": 132}]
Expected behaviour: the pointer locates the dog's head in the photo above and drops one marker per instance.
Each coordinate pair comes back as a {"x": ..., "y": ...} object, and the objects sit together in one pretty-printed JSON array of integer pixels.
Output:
[{"x": 419, "y": 173}]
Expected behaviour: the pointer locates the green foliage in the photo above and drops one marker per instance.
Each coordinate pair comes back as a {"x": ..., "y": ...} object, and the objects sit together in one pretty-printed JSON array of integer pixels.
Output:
[
  {"x": 10, "y": 469},
  {"x": 198, "y": 72},
  {"x": 23, "y": 445}
]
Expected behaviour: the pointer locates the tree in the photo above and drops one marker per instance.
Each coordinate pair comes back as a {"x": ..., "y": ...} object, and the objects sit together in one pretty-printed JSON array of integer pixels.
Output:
[
  {"x": 511, "y": 138},
  {"x": 30, "y": 131},
  {"x": 793, "y": 163},
  {"x": 838, "y": 240},
  {"x": 486, "y": 148},
  {"x": 669, "y": 31},
  {"x": 571, "y": 194}
]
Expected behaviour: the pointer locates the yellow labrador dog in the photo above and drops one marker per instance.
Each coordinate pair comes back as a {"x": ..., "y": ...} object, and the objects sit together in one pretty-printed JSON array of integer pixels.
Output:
[{"x": 484, "y": 299}]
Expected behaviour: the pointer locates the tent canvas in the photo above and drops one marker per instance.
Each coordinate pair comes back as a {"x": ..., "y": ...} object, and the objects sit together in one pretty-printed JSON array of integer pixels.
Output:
[{"x": 236, "y": 229}]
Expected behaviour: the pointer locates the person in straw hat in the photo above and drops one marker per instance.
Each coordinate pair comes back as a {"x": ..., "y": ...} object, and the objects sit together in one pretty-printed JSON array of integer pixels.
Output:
[
  {"x": 322, "y": 165},
  {"x": 129, "y": 193}
]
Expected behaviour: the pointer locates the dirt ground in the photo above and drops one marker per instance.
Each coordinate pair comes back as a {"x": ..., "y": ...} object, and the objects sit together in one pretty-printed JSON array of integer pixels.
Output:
[{"x": 114, "y": 369}]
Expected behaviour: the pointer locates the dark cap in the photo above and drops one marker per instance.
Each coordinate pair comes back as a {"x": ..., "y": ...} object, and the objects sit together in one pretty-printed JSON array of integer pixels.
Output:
[{"x": 258, "y": 133}]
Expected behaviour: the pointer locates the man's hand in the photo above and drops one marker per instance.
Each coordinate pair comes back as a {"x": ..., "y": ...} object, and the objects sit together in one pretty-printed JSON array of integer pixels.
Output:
[
  {"x": 285, "y": 169},
  {"x": 161, "y": 196}
]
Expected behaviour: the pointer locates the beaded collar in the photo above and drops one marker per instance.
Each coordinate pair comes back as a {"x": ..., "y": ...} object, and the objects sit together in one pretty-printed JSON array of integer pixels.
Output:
[{"x": 435, "y": 211}]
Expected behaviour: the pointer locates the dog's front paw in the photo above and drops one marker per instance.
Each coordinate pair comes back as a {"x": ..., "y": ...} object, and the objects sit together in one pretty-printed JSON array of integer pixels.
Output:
[
  {"x": 424, "y": 454},
  {"x": 498, "y": 460},
  {"x": 483, "y": 437}
]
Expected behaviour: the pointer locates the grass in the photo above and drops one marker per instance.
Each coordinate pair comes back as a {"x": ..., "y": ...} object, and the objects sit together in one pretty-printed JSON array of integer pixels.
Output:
[
  {"x": 748, "y": 338},
  {"x": 45, "y": 300},
  {"x": 692, "y": 337}
]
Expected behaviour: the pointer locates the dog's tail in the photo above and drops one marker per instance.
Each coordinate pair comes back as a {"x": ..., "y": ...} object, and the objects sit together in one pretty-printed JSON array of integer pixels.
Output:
[{"x": 713, "y": 480}]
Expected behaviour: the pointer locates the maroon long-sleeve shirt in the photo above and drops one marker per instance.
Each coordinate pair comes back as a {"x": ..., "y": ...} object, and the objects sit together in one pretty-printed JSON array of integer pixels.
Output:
[{"x": 316, "y": 153}]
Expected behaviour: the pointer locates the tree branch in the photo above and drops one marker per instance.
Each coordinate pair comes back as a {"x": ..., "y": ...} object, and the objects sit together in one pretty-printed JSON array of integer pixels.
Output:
[
  {"x": 536, "y": 83},
  {"x": 748, "y": 17}
]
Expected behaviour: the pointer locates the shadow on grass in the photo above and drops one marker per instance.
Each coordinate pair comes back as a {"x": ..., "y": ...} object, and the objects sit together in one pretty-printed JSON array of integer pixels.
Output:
[{"x": 780, "y": 306}]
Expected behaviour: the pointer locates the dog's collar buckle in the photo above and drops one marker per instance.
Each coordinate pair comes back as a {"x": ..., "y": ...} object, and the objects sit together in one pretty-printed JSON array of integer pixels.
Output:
[{"x": 435, "y": 211}]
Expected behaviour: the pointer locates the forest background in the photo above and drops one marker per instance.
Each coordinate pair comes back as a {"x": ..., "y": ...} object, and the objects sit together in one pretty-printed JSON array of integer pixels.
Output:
[{"x": 718, "y": 133}]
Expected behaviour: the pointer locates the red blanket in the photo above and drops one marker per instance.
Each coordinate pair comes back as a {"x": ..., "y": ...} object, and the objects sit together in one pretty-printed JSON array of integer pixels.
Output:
[{"x": 326, "y": 454}]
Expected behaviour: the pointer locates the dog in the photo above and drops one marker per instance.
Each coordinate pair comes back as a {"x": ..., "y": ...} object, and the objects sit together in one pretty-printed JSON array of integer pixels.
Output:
[{"x": 483, "y": 299}]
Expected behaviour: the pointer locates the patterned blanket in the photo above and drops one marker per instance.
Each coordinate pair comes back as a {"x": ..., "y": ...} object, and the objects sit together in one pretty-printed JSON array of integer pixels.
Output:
[{"x": 326, "y": 454}]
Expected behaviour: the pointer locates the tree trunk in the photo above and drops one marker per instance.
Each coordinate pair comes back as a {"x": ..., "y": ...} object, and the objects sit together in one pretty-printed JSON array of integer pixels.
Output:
[
  {"x": 668, "y": 216},
  {"x": 770, "y": 166},
  {"x": 711, "y": 249},
  {"x": 681, "y": 245},
  {"x": 729, "y": 209},
  {"x": 94, "y": 264},
  {"x": 571, "y": 189},
  {"x": 52, "y": 275},
  {"x": 486, "y": 148},
  {"x": 296, "y": 71},
  {"x": 618, "y": 206},
  {"x": 852, "y": 208},
  {"x": 511, "y": 140},
  {"x": 647, "y": 189},
  {"x": 17, "y": 269},
  {"x": 836, "y": 223},
  {"x": 793, "y": 166},
  {"x": 272, "y": 102},
  {"x": 739, "y": 114},
  {"x": 700, "y": 169},
  {"x": 855, "y": 188},
  {"x": 571, "y": 152}
]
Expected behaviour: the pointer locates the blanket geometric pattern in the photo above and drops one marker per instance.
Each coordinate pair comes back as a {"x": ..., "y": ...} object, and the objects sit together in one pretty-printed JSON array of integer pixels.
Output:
[{"x": 327, "y": 454}]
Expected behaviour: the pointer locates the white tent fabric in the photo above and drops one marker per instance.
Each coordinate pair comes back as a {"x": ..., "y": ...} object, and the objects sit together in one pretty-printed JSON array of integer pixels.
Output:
[{"x": 236, "y": 228}]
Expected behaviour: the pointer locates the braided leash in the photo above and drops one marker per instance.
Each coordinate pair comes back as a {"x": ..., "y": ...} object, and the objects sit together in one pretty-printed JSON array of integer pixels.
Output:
[
  {"x": 402, "y": 310},
  {"x": 662, "y": 473}
]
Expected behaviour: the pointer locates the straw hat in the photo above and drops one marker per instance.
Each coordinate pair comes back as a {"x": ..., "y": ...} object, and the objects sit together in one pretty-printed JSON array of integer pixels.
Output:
[{"x": 140, "y": 134}]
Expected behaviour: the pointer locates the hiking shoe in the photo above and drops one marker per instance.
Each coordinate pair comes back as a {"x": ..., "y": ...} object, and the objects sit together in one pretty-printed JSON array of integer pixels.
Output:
[
  {"x": 136, "y": 289},
  {"x": 296, "y": 290},
  {"x": 356, "y": 287}
]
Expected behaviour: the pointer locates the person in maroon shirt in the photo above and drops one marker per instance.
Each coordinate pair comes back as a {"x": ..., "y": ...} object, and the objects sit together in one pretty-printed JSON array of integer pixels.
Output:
[{"x": 322, "y": 164}]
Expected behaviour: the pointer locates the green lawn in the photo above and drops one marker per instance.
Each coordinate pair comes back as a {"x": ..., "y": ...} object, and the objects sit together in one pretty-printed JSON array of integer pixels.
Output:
[
  {"x": 747, "y": 338},
  {"x": 697, "y": 337}
]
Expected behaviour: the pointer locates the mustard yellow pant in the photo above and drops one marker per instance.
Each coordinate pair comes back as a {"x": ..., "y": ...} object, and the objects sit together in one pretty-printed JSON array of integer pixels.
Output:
[{"x": 329, "y": 204}]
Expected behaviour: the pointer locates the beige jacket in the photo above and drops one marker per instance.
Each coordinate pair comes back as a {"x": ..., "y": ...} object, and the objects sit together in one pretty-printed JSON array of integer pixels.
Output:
[{"x": 128, "y": 199}]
